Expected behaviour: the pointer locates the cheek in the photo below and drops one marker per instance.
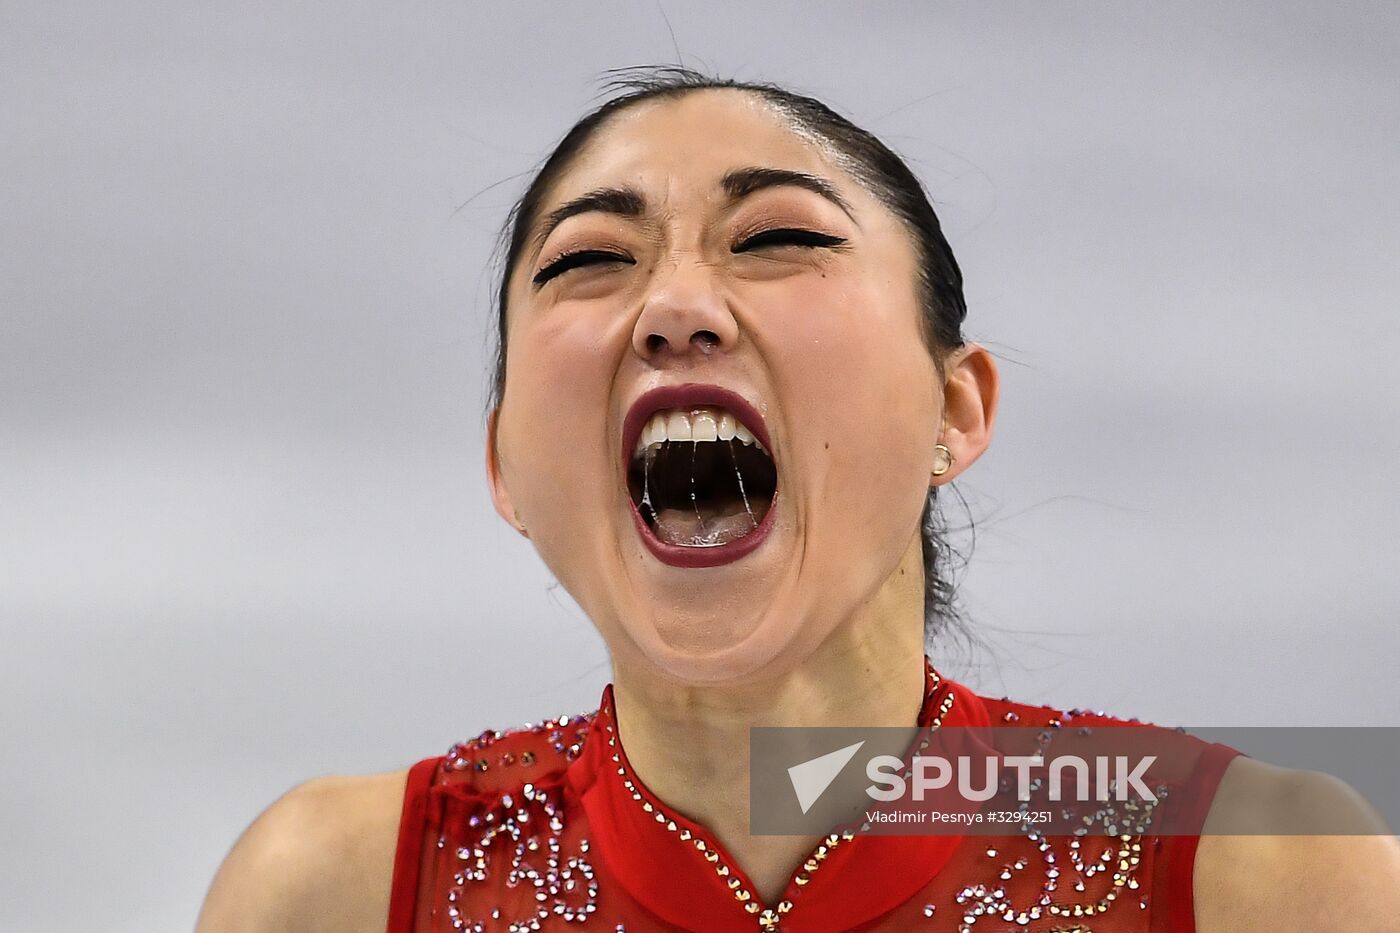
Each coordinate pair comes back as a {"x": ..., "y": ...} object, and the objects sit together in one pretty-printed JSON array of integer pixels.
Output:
[
  {"x": 559, "y": 378},
  {"x": 864, "y": 384},
  {"x": 862, "y": 364}
]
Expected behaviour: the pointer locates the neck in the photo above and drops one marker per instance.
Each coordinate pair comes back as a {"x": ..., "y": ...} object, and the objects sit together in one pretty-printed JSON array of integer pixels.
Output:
[{"x": 689, "y": 744}]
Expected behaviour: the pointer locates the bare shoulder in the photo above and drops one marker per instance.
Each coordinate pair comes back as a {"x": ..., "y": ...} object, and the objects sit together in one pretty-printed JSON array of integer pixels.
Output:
[
  {"x": 1246, "y": 879},
  {"x": 320, "y": 858}
]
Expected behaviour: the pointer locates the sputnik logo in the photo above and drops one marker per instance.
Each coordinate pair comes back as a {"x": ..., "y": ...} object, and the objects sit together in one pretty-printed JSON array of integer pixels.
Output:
[{"x": 811, "y": 778}]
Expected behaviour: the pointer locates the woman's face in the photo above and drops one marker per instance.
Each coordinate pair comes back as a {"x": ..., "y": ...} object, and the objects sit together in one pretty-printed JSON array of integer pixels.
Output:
[{"x": 719, "y": 415}]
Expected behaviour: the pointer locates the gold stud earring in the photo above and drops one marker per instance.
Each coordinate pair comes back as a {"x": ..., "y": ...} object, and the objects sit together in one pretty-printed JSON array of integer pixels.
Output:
[{"x": 945, "y": 460}]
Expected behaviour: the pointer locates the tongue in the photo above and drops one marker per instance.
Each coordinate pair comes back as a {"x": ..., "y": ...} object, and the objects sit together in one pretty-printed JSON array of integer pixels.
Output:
[{"x": 686, "y": 528}]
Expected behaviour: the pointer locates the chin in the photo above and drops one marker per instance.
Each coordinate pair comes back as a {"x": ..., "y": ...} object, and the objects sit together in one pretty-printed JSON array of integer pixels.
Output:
[{"x": 715, "y": 648}]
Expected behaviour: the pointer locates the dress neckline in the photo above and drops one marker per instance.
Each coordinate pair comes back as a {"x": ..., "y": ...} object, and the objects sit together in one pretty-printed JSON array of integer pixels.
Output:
[{"x": 677, "y": 868}]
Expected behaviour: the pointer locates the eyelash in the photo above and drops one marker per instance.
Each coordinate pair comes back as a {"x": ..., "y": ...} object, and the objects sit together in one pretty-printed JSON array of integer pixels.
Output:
[
  {"x": 583, "y": 257},
  {"x": 788, "y": 236},
  {"x": 785, "y": 236}
]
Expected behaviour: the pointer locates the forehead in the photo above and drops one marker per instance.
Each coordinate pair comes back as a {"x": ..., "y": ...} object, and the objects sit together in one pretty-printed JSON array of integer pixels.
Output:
[{"x": 688, "y": 143}]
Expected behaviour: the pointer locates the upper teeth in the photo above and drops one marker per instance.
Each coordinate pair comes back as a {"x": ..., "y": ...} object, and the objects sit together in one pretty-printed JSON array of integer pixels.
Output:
[{"x": 696, "y": 424}]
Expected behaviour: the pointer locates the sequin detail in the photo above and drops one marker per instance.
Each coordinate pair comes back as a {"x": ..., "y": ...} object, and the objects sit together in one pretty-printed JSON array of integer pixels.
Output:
[
  {"x": 769, "y": 918},
  {"x": 515, "y": 838},
  {"x": 1119, "y": 826},
  {"x": 499, "y": 804}
]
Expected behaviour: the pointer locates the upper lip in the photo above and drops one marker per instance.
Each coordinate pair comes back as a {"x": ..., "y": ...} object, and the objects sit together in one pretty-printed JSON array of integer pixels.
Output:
[{"x": 686, "y": 396}]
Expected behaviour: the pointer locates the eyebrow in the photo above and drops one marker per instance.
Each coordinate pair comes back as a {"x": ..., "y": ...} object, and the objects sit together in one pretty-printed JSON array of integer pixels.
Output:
[
  {"x": 623, "y": 201},
  {"x": 745, "y": 181},
  {"x": 739, "y": 183}
]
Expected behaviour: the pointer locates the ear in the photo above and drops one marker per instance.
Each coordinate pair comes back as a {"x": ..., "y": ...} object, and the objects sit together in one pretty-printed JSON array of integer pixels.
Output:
[
  {"x": 970, "y": 397},
  {"x": 500, "y": 495}
]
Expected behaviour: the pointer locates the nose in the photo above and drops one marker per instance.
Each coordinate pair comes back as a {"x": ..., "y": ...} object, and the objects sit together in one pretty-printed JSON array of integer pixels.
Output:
[{"x": 684, "y": 315}]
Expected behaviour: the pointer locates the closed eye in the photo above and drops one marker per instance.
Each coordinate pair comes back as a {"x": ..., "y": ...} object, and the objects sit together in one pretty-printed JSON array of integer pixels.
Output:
[
  {"x": 787, "y": 237},
  {"x": 583, "y": 257}
]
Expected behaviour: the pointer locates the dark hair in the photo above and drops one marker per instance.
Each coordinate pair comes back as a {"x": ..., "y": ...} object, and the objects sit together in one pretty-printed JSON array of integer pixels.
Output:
[{"x": 872, "y": 163}]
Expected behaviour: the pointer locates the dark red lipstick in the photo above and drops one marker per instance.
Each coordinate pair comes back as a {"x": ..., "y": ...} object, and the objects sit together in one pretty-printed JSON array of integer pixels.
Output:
[{"x": 689, "y": 397}]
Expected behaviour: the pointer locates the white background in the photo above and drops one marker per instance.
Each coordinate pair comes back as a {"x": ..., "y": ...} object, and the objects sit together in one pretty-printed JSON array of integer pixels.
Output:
[{"x": 244, "y": 531}]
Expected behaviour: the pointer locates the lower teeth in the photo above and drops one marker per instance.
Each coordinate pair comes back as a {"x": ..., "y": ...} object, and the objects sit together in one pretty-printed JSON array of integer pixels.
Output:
[{"x": 674, "y": 526}]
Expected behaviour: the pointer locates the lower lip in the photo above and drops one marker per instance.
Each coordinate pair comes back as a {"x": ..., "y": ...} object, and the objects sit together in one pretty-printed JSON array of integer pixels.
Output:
[{"x": 680, "y": 556}]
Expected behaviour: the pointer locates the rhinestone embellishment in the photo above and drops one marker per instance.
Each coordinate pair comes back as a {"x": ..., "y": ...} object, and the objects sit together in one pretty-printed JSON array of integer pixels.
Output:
[{"x": 769, "y": 919}]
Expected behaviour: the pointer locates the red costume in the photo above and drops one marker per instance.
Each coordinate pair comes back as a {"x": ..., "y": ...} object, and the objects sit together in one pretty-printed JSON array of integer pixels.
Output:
[{"x": 546, "y": 828}]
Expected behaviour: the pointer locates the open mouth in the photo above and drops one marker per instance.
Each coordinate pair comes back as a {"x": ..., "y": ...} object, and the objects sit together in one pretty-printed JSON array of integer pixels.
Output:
[{"x": 699, "y": 477}]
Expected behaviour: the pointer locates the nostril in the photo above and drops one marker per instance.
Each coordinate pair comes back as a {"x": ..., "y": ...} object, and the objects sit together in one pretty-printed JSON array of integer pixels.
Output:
[
  {"x": 655, "y": 342},
  {"x": 707, "y": 339}
]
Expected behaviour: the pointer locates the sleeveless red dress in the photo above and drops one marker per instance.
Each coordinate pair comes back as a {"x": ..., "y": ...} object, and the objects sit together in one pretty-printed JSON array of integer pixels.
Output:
[{"x": 545, "y": 827}]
